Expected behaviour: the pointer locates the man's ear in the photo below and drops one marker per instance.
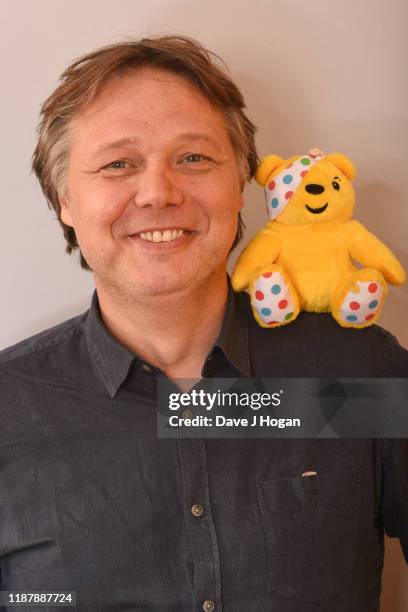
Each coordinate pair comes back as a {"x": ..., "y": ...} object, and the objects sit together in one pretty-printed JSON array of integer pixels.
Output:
[{"x": 65, "y": 211}]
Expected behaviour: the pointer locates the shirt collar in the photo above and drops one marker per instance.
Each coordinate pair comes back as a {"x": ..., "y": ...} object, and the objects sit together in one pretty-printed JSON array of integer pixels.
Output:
[
  {"x": 233, "y": 336},
  {"x": 113, "y": 360}
]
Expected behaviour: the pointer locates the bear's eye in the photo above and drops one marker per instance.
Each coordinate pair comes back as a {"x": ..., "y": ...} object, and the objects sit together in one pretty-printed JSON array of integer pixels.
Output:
[{"x": 336, "y": 185}]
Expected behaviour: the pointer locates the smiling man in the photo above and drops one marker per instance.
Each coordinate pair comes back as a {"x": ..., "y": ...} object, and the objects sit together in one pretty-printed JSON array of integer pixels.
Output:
[
  {"x": 153, "y": 191},
  {"x": 144, "y": 150}
]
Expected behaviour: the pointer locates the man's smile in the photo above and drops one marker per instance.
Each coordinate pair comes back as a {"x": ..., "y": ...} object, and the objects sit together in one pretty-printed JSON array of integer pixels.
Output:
[
  {"x": 166, "y": 235},
  {"x": 317, "y": 211},
  {"x": 167, "y": 239}
]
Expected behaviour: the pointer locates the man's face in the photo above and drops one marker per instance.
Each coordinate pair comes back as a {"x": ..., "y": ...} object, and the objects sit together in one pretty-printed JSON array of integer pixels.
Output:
[{"x": 153, "y": 188}]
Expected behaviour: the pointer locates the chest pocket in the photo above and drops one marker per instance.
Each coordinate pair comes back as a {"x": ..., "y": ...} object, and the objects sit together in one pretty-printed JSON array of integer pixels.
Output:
[{"x": 310, "y": 525}]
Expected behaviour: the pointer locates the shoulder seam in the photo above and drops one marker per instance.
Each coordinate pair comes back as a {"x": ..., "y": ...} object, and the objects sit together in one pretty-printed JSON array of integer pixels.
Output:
[{"x": 40, "y": 347}]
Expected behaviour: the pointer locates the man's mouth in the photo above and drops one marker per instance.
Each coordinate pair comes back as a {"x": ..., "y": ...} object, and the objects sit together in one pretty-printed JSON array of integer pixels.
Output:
[
  {"x": 167, "y": 235},
  {"x": 171, "y": 236},
  {"x": 317, "y": 211}
]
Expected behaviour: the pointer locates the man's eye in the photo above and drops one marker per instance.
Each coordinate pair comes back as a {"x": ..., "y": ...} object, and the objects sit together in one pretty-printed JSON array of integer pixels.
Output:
[
  {"x": 194, "y": 157},
  {"x": 117, "y": 164}
]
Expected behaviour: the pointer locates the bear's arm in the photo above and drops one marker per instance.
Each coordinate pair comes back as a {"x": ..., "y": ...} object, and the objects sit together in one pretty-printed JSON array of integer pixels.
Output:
[
  {"x": 368, "y": 250},
  {"x": 263, "y": 249}
]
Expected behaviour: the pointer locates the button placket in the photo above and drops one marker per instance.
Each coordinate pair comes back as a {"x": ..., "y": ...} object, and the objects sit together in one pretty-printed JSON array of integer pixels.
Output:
[{"x": 200, "y": 525}]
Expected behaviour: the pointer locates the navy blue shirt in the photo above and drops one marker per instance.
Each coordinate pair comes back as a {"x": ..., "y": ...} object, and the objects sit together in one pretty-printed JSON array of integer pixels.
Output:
[{"x": 92, "y": 501}]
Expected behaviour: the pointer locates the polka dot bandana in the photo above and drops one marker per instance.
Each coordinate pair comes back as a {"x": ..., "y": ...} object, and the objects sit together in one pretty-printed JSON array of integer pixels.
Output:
[{"x": 280, "y": 189}]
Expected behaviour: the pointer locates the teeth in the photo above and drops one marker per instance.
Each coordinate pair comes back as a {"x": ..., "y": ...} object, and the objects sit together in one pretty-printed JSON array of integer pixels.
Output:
[{"x": 158, "y": 236}]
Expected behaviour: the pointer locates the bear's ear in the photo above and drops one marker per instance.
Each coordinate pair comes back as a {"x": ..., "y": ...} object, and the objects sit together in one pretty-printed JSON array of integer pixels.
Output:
[
  {"x": 268, "y": 164},
  {"x": 344, "y": 163}
]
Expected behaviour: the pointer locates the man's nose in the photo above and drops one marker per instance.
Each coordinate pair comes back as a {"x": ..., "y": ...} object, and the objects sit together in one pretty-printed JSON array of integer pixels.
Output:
[{"x": 157, "y": 187}]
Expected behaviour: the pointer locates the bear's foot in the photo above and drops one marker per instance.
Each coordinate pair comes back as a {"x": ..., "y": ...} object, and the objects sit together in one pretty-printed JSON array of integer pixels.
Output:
[
  {"x": 273, "y": 297},
  {"x": 359, "y": 304}
]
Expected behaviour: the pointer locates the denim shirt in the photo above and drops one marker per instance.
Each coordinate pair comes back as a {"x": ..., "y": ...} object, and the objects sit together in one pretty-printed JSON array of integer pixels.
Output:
[{"x": 92, "y": 501}]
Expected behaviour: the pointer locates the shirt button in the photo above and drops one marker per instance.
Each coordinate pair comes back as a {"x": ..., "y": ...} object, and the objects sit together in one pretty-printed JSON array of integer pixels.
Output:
[
  {"x": 146, "y": 368},
  {"x": 208, "y": 605},
  {"x": 197, "y": 510},
  {"x": 187, "y": 414}
]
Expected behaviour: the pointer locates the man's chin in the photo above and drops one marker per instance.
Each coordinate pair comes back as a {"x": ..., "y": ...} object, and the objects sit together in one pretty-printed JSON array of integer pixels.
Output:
[
  {"x": 156, "y": 281},
  {"x": 161, "y": 285},
  {"x": 169, "y": 283}
]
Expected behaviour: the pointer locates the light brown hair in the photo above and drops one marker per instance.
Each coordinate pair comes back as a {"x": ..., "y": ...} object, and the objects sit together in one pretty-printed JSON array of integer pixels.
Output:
[{"x": 83, "y": 79}]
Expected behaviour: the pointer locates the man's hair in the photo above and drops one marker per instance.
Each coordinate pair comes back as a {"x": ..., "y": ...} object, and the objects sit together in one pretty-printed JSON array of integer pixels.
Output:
[{"x": 82, "y": 81}]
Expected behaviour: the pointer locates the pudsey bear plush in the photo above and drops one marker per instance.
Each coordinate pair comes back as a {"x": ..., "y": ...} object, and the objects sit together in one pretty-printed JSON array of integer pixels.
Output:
[{"x": 303, "y": 258}]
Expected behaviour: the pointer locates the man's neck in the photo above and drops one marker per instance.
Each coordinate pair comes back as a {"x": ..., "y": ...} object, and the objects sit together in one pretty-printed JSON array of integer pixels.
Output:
[{"x": 173, "y": 332}]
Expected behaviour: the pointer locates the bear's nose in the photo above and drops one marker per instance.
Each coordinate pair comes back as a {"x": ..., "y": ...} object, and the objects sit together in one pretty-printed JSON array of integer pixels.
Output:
[{"x": 314, "y": 188}]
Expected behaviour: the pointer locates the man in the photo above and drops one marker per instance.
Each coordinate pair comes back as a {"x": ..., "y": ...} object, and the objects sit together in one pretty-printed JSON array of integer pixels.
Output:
[{"x": 143, "y": 152}]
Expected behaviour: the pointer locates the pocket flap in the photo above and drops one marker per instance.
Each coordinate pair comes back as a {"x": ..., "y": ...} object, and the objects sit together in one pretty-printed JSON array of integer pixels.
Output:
[{"x": 335, "y": 488}]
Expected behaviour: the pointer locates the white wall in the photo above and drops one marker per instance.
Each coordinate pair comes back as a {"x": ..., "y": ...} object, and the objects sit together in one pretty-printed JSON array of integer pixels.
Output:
[{"x": 317, "y": 73}]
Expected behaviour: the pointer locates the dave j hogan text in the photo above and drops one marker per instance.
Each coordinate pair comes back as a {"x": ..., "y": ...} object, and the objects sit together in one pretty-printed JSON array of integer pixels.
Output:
[{"x": 219, "y": 420}]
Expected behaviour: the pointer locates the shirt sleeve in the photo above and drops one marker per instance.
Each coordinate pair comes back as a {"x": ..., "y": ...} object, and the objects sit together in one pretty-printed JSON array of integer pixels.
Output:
[{"x": 395, "y": 491}]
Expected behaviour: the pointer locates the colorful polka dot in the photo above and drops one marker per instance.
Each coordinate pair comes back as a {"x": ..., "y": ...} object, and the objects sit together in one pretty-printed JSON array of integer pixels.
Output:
[
  {"x": 271, "y": 185},
  {"x": 275, "y": 202},
  {"x": 288, "y": 194},
  {"x": 305, "y": 161},
  {"x": 276, "y": 289},
  {"x": 266, "y": 311},
  {"x": 352, "y": 318},
  {"x": 288, "y": 178},
  {"x": 373, "y": 304},
  {"x": 372, "y": 287},
  {"x": 267, "y": 274},
  {"x": 282, "y": 304},
  {"x": 259, "y": 295},
  {"x": 288, "y": 316},
  {"x": 354, "y": 305},
  {"x": 303, "y": 173},
  {"x": 369, "y": 317}
]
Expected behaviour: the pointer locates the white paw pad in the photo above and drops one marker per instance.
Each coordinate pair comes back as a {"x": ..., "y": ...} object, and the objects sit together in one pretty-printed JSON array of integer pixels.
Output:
[
  {"x": 271, "y": 298},
  {"x": 362, "y": 306}
]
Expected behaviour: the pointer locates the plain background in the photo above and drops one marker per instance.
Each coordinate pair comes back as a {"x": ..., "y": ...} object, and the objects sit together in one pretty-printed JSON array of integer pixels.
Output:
[{"x": 314, "y": 73}]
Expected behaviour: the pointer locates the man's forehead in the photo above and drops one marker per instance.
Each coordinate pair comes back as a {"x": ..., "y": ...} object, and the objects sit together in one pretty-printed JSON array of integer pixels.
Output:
[
  {"x": 132, "y": 108},
  {"x": 134, "y": 142},
  {"x": 147, "y": 90}
]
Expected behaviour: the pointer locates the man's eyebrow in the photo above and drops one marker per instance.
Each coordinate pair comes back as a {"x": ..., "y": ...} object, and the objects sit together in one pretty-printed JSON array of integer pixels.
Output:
[
  {"x": 126, "y": 141},
  {"x": 197, "y": 136},
  {"x": 115, "y": 144}
]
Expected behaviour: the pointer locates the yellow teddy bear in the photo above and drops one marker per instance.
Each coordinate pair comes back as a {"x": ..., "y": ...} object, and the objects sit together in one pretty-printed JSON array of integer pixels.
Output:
[{"x": 302, "y": 258}]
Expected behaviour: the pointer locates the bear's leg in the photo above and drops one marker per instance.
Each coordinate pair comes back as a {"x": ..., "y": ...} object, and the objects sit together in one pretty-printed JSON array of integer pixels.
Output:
[
  {"x": 274, "y": 299},
  {"x": 358, "y": 301}
]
